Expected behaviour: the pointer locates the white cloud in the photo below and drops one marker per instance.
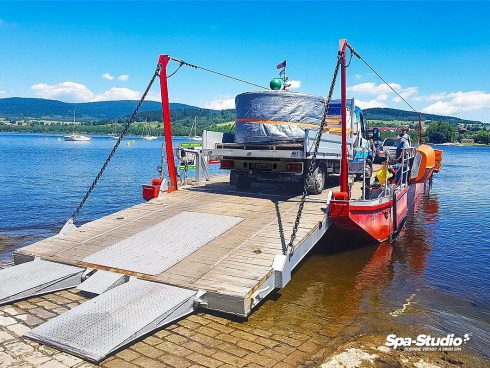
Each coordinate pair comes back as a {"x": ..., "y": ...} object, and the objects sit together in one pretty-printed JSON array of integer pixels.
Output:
[
  {"x": 406, "y": 93},
  {"x": 67, "y": 91},
  {"x": 382, "y": 97},
  {"x": 116, "y": 93},
  {"x": 369, "y": 104},
  {"x": 294, "y": 84},
  {"x": 457, "y": 102},
  {"x": 221, "y": 103},
  {"x": 123, "y": 77},
  {"x": 371, "y": 88},
  {"x": 77, "y": 92},
  {"x": 3, "y": 92},
  {"x": 357, "y": 76},
  {"x": 108, "y": 76}
]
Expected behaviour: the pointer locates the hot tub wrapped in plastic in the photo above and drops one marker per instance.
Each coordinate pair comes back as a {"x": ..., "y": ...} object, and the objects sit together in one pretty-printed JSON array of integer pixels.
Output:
[{"x": 278, "y": 116}]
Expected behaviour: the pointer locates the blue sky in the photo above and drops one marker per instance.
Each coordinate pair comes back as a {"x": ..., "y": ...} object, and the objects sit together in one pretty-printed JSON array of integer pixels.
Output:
[{"x": 436, "y": 53}]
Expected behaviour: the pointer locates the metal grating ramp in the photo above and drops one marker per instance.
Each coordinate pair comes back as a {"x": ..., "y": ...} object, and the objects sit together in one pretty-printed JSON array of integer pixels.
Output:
[
  {"x": 101, "y": 281},
  {"x": 163, "y": 245},
  {"x": 102, "y": 325},
  {"x": 35, "y": 278}
]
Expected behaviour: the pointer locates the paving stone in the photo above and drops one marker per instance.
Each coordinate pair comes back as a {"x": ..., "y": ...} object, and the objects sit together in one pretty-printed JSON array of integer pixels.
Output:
[
  {"x": 204, "y": 360},
  {"x": 260, "y": 360},
  {"x": 152, "y": 341},
  {"x": 11, "y": 311},
  {"x": 118, "y": 363},
  {"x": 47, "y": 350},
  {"x": 6, "y": 360},
  {"x": 176, "y": 339},
  {"x": 148, "y": 363},
  {"x": 128, "y": 355},
  {"x": 60, "y": 310},
  {"x": 175, "y": 361},
  {"x": 228, "y": 338},
  {"x": 67, "y": 359},
  {"x": 230, "y": 359},
  {"x": 19, "y": 329},
  {"x": 284, "y": 349},
  {"x": 288, "y": 340},
  {"x": 274, "y": 355},
  {"x": 198, "y": 348},
  {"x": 309, "y": 347},
  {"x": 249, "y": 345},
  {"x": 171, "y": 348},
  {"x": 42, "y": 313},
  {"x": 18, "y": 348},
  {"x": 53, "y": 363},
  {"x": 162, "y": 333},
  {"x": 147, "y": 350},
  {"x": 233, "y": 349},
  {"x": 296, "y": 357},
  {"x": 36, "y": 358},
  {"x": 208, "y": 331},
  {"x": 190, "y": 324},
  {"x": 6, "y": 321},
  {"x": 5, "y": 336},
  {"x": 220, "y": 327},
  {"x": 262, "y": 333},
  {"x": 183, "y": 331},
  {"x": 24, "y": 305},
  {"x": 29, "y": 319},
  {"x": 283, "y": 365},
  {"x": 48, "y": 305},
  {"x": 205, "y": 340}
]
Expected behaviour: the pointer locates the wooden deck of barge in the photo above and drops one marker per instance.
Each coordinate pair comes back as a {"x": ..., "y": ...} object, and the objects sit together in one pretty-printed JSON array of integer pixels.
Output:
[{"x": 235, "y": 268}]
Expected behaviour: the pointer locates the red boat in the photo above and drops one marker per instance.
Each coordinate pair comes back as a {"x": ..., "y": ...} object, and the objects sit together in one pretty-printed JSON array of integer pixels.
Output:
[{"x": 379, "y": 214}]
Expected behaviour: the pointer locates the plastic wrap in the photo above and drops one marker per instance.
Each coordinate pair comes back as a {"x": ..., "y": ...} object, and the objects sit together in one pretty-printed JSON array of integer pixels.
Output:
[{"x": 278, "y": 116}]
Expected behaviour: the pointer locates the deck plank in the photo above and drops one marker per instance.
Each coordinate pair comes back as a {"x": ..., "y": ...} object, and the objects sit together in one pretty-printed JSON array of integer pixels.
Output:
[{"x": 233, "y": 264}]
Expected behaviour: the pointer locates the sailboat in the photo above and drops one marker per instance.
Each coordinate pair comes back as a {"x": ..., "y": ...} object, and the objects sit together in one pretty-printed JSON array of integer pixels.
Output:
[
  {"x": 113, "y": 134},
  {"x": 193, "y": 135},
  {"x": 147, "y": 133},
  {"x": 76, "y": 137}
]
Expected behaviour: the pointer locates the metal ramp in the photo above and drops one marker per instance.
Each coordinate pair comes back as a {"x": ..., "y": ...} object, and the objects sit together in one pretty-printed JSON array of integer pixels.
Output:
[
  {"x": 101, "y": 281},
  {"x": 36, "y": 277},
  {"x": 161, "y": 246},
  {"x": 102, "y": 325}
]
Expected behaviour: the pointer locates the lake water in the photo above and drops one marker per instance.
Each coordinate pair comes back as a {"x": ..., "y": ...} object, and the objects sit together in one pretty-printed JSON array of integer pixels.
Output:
[{"x": 438, "y": 268}]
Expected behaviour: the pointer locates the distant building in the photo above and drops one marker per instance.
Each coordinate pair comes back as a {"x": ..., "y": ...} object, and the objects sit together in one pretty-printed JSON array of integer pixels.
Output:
[
  {"x": 467, "y": 140},
  {"x": 462, "y": 130}
]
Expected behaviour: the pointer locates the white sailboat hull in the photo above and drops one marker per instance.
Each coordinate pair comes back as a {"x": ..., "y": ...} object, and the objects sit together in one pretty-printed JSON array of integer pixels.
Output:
[{"x": 76, "y": 138}]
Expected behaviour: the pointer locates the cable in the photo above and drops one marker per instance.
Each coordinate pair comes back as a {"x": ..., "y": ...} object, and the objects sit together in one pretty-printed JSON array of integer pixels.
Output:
[
  {"x": 379, "y": 76},
  {"x": 218, "y": 73}
]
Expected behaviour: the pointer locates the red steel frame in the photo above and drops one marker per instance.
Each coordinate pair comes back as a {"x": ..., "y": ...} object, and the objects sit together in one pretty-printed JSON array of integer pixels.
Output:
[
  {"x": 419, "y": 133},
  {"x": 167, "y": 124},
  {"x": 344, "y": 166}
]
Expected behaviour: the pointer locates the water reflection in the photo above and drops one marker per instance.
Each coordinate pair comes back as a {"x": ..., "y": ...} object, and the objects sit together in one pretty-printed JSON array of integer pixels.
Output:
[{"x": 344, "y": 279}]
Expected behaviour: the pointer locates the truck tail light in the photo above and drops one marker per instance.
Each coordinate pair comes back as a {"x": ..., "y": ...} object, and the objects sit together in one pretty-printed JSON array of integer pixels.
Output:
[
  {"x": 295, "y": 167},
  {"x": 227, "y": 164}
]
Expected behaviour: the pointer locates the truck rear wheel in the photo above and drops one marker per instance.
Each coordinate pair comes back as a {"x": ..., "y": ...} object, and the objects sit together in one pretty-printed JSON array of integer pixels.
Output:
[
  {"x": 316, "y": 181},
  {"x": 239, "y": 181}
]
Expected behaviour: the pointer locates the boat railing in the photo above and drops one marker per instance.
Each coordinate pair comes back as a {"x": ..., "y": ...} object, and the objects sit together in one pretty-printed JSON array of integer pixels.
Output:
[{"x": 401, "y": 165}]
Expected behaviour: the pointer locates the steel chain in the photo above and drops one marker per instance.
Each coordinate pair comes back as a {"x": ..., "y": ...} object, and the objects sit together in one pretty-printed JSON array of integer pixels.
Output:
[
  {"x": 289, "y": 248},
  {"x": 121, "y": 136}
]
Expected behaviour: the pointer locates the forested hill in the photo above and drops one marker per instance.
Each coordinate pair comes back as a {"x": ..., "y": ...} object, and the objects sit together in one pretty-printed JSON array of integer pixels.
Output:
[
  {"x": 17, "y": 108},
  {"x": 379, "y": 113}
]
